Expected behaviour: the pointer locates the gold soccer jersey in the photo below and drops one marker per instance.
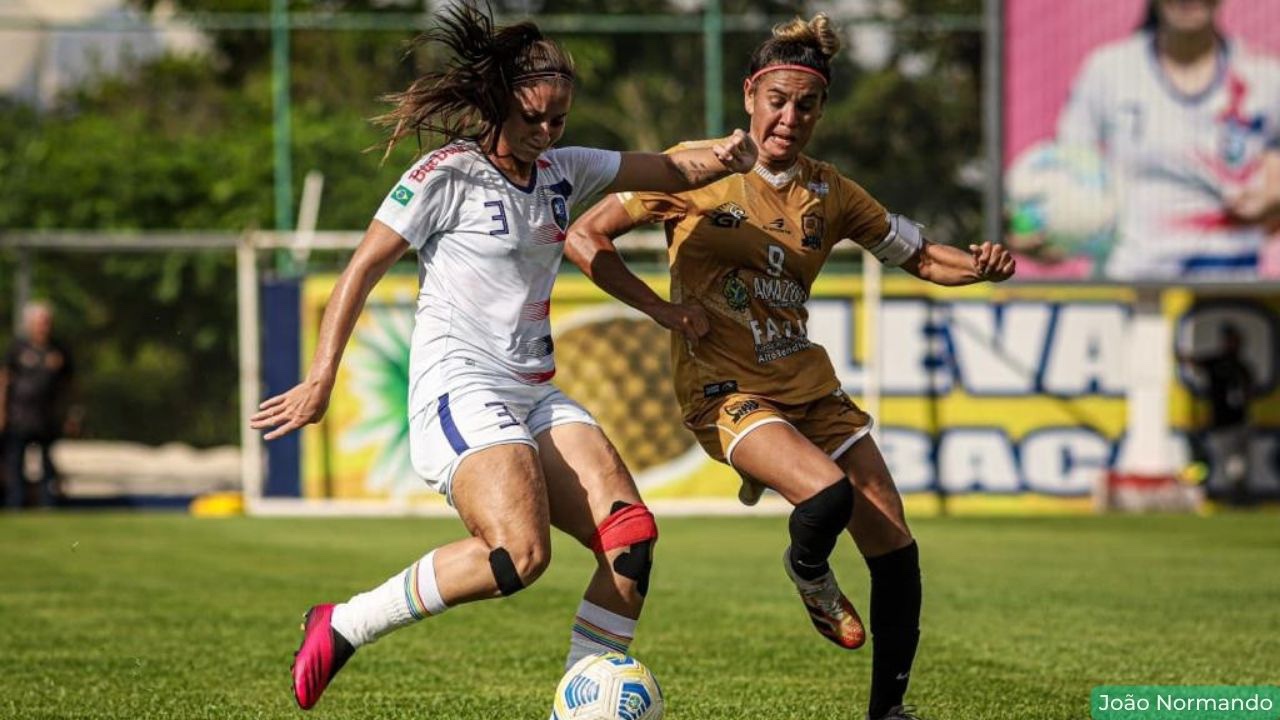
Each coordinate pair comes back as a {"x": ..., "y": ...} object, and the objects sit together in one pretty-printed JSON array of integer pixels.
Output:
[{"x": 748, "y": 250}]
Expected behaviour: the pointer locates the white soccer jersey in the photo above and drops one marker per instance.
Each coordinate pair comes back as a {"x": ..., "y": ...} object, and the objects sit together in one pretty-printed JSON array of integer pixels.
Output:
[
  {"x": 1173, "y": 157},
  {"x": 488, "y": 253}
]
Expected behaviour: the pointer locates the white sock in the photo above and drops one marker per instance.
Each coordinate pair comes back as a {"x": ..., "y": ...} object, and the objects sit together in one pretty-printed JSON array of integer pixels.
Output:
[
  {"x": 596, "y": 630},
  {"x": 406, "y": 598}
]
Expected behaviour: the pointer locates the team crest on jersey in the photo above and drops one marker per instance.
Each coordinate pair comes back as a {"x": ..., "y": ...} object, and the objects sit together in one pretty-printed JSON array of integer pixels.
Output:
[
  {"x": 736, "y": 292},
  {"x": 560, "y": 212},
  {"x": 815, "y": 228},
  {"x": 402, "y": 195},
  {"x": 728, "y": 215}
]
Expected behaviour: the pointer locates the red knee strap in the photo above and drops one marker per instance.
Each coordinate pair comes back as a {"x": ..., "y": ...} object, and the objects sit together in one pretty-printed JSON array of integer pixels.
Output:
[{"x": 628, "y": 526}]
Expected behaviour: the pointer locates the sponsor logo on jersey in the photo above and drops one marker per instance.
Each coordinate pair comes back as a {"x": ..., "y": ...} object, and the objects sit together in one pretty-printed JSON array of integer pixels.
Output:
[
  {"x": 778, "y": 339},
  {"x": 819, "y": 188},
  {"x": 737, "y": 411},
  {"x": 736, "y": 292},
  {"x": 780, "y": 292},
  {"x": 728, "y": 215},
  {"x": 778, "y": 226},
  {"x": 815, "y": 228},
  {"x": 560, "y": 212},
  {"x": 433, "y": 161},
  {"x": 780, "y": 348},
  {"x": 402, "y": 195},
  {"x": 719, "y": 388}
]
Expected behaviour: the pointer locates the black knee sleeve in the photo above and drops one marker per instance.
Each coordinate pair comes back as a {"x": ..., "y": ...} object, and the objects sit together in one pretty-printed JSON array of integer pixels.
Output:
[
  {"x": 815, "y": 527},
  {"x": 504, "y": 571}
]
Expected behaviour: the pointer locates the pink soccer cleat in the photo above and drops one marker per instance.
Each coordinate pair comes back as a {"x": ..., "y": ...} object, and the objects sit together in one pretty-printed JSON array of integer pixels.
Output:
[{"x": 322, "y": 654}]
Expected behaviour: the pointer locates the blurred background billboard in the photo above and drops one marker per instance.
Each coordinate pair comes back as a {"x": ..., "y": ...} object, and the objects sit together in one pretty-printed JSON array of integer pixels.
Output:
[{"x": 1105, "y": 160}]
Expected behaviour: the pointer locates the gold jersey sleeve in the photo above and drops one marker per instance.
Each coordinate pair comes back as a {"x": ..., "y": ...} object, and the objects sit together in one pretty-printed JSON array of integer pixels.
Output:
[{"x": 748, "y": 252}]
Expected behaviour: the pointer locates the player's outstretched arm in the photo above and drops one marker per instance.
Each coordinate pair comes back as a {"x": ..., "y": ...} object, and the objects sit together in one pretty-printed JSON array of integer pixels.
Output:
[
  {"x": 946, "y": 265},
  {"x": 307, "y": 401},
  {"x": 589, "y": 245},
  {"x": 685, "y": 169}
]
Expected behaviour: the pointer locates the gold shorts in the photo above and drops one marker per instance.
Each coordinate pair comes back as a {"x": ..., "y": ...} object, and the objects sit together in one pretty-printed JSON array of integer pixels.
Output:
[{"x": 832, "y": 422}]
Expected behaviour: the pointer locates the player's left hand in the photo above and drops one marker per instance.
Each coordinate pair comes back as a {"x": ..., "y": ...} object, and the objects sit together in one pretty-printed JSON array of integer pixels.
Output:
[
  {"x": 737, "y": 152},
  {"x": 992, "y": 262}
]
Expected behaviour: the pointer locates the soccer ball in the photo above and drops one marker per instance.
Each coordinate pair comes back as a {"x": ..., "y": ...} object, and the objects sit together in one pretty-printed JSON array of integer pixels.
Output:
[
  {"x": 1061, "y": 192},
  {"x": 609, "y": 686}
]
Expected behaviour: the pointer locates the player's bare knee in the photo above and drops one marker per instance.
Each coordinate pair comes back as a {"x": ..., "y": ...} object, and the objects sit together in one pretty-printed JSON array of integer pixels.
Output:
[
  {"x": 517, "y": 565},
  {"x": 632, "y": 528}
]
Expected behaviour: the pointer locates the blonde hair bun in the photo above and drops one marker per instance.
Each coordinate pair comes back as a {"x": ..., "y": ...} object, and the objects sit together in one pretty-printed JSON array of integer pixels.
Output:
[{"x": 817, "y": 33}]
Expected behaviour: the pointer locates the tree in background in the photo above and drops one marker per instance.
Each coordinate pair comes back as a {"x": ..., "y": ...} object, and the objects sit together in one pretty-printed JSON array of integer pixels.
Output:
[{"x": 186, "y": 143}]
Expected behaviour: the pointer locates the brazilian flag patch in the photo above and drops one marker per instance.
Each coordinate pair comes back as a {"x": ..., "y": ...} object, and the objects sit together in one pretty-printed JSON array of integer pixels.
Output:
[{"x": 402, "y": 195}]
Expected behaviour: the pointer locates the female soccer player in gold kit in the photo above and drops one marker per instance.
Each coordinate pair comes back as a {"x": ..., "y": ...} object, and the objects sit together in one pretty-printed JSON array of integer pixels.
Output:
[{"x": 743, "y": 254}]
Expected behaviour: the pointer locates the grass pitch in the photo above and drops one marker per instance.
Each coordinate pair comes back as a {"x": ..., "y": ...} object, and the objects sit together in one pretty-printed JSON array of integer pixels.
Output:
[{"x": 165, "y": 616}]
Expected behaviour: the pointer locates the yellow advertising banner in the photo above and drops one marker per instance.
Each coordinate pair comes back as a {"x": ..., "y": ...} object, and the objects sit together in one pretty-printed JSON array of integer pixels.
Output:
[{"x": 993, "y": 398}]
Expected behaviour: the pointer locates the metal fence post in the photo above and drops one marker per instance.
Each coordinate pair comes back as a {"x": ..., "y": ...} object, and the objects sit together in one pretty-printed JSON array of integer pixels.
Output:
[
  {"x": 993, "y": 119},
  {"x": 282, "y": 119},
  {"x": 713, "y": 67}
]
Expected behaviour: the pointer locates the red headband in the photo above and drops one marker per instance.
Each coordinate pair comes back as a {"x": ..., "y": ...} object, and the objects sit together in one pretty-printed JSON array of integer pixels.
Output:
[{"x": 802, "y": 68}]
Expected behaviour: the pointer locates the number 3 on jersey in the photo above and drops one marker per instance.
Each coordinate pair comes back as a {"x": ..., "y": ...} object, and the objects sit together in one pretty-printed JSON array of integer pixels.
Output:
[
  {"x": 500, "y": 218},
  {"x": 775, "y": 257}
]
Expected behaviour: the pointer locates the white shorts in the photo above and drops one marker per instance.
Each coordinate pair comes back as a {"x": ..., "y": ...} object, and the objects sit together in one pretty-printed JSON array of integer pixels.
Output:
[{"x": 475, "y": 417}]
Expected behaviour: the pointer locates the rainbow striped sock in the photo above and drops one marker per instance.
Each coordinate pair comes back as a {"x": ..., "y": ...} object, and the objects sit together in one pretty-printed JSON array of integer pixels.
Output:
[
  {"x": 407, "y": 597},
  {"x": 596, "y": 630}
]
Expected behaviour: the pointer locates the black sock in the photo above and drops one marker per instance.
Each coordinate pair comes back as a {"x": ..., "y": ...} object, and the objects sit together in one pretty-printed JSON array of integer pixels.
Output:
[
  {"x": 895, "y": 625},
  {"x": 816, "y": 525}
]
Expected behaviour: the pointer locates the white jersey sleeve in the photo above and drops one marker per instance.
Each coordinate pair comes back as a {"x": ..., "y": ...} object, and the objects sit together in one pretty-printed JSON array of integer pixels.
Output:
[
  {"x": 1082, "y": 120},
  {"x": 424, "y": 203},
  {"x": 588, "y": 169}
]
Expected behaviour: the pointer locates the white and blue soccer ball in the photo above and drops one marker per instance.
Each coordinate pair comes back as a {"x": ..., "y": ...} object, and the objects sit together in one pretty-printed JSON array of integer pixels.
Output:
[
  {"x": 608, "y": 686},
  {"x": 1062, "y": 192}
]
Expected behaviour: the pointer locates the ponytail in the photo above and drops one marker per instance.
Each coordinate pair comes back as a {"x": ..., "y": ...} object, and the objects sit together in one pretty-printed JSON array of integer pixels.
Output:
[{"x": 470, "y": 97}]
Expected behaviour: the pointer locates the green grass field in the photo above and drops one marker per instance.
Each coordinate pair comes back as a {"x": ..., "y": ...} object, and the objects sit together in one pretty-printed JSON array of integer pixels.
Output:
[{"x": 165, "y": 616}]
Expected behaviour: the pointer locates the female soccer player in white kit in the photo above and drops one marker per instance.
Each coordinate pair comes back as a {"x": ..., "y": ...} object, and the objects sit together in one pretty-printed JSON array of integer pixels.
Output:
[
  {"x": 487, "y": 214},
  {"x": 1189, "y": 121}
]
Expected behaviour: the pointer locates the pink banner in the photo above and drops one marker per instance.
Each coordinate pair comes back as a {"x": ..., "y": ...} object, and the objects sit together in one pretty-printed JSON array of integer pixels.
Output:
[
  {"x": 1046, "y": 43},
  {"x": 1047, "y": 40}
]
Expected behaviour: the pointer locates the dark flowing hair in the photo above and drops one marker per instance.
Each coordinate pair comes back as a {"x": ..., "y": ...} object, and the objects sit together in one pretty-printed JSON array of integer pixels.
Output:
[
  {"x": 470, "y": 97},
  {"x": 809, "y": 43}
]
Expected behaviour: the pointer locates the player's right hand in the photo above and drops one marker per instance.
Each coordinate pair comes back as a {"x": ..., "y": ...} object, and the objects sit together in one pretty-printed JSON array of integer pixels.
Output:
[
  {"x": 737, "y": 152},
  {"x": 688, "y": 320},
  {"x": 993, "y": 262},
  {"x": 303, "y": 404}
]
